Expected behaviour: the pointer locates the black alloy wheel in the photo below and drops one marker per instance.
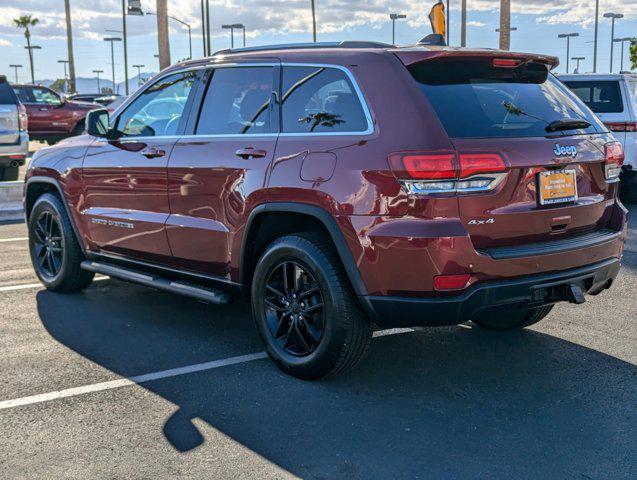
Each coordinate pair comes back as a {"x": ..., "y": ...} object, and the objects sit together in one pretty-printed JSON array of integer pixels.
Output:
[
  {"x": 294, "y": 309},
  {"x": 48, "y": 244}
]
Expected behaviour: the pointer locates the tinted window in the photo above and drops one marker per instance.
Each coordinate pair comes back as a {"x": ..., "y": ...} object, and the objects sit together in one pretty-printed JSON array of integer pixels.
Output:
[
  {"x": 319, "y": 99},
  {"x": 158, "y": 110},
  {"x": 474, "y": 99},
  {"x": 25, "y": 95},
  {"x": 237, "y": 102},
  {"x": 44, "y": 95},
  {"x": 6, "y": 94},
  {"x": 600, "y": 96}
]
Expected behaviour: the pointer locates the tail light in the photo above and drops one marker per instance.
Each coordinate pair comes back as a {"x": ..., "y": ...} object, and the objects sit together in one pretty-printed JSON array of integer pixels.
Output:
[
  {"x": 506, "y": 62},
  {"x": 23, "y": 120},
  {"x": 614, "y": 160},
  {"x": 448, "y": 172},
  {"x": 622, "y": 126},
  {"x": 448, "y": 283}
]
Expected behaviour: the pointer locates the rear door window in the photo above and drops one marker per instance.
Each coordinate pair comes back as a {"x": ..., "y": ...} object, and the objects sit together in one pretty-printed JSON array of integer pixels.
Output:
[
  {"x": 24, "y": 94},
  {"x": 320, "y": 100},
  {"x": 473, "y": 99},
  {"x": 237, "y": 102},
  {"x": 599, "y": 96}
]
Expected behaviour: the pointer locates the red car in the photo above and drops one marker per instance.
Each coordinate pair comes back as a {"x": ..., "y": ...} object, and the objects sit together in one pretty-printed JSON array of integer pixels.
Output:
[
  {"x": 51, "y": 116},
  {"x": 341, "y": 187}
]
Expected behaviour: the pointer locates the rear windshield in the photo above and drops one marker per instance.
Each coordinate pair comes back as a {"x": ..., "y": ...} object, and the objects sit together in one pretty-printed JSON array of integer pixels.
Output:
[
  {"x": 473, "y": 99},
  {"x": 6, "y": 94},
  {"x": 599, "y": 96}
]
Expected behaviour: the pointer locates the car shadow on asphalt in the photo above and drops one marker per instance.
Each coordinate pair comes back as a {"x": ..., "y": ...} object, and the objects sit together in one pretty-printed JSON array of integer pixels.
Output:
[{"x": 442, "y": 402}]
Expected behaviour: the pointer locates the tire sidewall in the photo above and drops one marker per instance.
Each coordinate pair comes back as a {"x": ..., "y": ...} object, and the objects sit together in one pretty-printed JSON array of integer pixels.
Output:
[
  {"x": 308, "y": 257},
  {"x": 48, "y": 202}
]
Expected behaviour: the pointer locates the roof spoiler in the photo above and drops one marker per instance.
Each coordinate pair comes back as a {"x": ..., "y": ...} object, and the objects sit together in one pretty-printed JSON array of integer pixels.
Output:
[{"x": 433, "y": 40}]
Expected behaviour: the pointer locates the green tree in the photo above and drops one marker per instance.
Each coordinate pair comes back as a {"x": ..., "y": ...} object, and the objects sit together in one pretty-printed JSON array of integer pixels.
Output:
[
  {"x": 633, "y": 54},
  {"x": 59, "y": 85},
  {"x": 26, "y": 21}
]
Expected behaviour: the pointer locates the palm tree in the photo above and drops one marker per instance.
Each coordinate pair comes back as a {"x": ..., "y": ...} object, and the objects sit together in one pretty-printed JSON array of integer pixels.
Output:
[
  {"x": 26, "y": 21},
  {"x": 633, "y": 53},
  {"x": 505, "y": 24}
]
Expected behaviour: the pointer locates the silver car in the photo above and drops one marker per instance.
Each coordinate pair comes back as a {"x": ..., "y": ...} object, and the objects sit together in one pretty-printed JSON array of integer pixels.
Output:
[{"x": 14, "y": 138}]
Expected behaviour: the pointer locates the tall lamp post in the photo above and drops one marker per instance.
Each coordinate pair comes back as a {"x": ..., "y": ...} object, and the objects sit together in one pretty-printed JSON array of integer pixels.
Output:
[
  {"x": 232, "y": 27},
  {"x": 577, "y": 59},
  {"x": 313, "y": 22},
  {"x": 623, "y": 41},
  {"x": 394, "y": 17},
  {"x": 15, "y": 67},
  {"x": 187, "y": 25},
  {"x": 568, "y": 37},
  {"x": 139, "y": 74},
  {"x": 613, "y": 17},
  {"x": 112, "y": 41},
  {"x": 596, "y": 35},
  {"x": 99, "y": 90},
  {"x": 30, "y": 48},
  {"x": 66, "y": 85}
]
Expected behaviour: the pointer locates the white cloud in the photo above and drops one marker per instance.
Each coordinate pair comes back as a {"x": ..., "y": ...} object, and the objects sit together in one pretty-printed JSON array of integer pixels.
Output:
[
  {"x": 473, "y": 23},
  {"x": 5, "y": 43}
]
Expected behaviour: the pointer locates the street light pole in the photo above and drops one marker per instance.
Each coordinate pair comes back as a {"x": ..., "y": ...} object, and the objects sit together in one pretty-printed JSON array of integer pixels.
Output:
[
  {"x": 125, "y": 46},
  {"x": 577, "y": 59},
  {"x": 623, "y": 41},
  {"x": 65, "y": 62},
  {"x": 232, "y": 27},
  {"x": 313, "y": 22},
  {"x": 613, "y": 17},
  {"x": 596, "y": 36},
  {"x": 208, "y": 43},
  {"x": 30, "y": 48},
  {"x": 394, "y": 17},
  {"x": 15, "y": 67},
  {"x": 69, "y": 45},
  {"x": 139, "y": 74},
  {"x": 568, "y": 37},
  {"x": 99, "y": 90},
  {"x": 112, "y": 41}
]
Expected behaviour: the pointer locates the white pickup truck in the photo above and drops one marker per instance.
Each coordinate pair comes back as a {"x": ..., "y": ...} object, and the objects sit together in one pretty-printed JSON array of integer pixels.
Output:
[{"x": 613, "y": 97}]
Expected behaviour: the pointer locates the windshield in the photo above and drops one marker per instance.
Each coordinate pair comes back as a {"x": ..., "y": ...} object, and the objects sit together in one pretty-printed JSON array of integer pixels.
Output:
[{"x": 475, "y": 100}]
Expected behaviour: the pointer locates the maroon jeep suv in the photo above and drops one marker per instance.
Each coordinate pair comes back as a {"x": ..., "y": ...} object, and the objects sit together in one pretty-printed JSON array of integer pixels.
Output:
[
  {"x": 343, "y": 187},
  {"x": 51, "y": 116}
]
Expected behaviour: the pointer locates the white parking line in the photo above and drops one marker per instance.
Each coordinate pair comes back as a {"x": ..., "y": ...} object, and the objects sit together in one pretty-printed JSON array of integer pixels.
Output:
[
  {"x": 27, "y": 286},
  {"x": 17, "y": 239},
  {"x": 148, "y": 377}
]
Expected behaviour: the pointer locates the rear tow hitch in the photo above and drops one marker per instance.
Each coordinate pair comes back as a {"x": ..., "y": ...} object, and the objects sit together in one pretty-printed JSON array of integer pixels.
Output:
[{"x": 575, "y": 294}]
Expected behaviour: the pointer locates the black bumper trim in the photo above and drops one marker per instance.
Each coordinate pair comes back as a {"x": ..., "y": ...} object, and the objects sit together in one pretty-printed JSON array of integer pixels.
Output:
[
  {"x": 525, "y": 292},
  {"x": 555, "y": 246}
]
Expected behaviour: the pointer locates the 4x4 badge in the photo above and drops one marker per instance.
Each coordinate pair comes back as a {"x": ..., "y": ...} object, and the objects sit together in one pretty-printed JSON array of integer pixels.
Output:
[
  {"x": 486, "y": 221},
  {"x": 565, "y": 151}
]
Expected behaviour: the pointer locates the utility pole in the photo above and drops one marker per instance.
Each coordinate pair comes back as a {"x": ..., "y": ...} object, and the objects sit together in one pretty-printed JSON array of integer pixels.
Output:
[
  {"x": 505, "y": 24},
  {"x": 394, "y": 17},
  {"x": 99, "y": 90},
  {"x": 162, "y": 34},
  {"x": 463, "y": 27},
  {"x": 203, "y": 27},
  {"x": 613, "y": 17},
  {"x": 125, "y": 46},
  {"x": 313, "y": 22},
  {"x": 596, "y": 36},
  {"x": 568, "y": 37},
  {"x": 69, "y": 43},
  {"x": 15, "y": 67},
  {"x": 112, "y": 41}
]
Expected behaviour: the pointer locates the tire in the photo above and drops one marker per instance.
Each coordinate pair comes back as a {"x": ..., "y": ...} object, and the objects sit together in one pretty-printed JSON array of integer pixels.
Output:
[
  {"x": 512, "y": 321},
  {"x": 9, "y": 174},
  {"x": 79, "y": 129},
  {"x": 59, "y": 269},
  {"x": 323, "y": 341}
]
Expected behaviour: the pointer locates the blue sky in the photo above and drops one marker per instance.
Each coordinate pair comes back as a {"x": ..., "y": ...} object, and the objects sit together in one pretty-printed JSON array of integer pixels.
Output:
[{"x": 278, "y": 21}]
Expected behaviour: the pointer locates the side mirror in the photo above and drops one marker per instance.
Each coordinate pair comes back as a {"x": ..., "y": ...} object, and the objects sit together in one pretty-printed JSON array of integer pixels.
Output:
[{"x": 97, "y": 123}]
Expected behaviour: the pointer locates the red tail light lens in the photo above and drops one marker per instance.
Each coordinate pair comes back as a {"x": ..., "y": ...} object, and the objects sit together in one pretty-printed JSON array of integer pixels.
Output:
[
  {"x": 23, "y": 120},
  {"x": 506, "y": 62},
  {"x": 475, "y": 163},
  {"x": 447, "y": 283},
  {"x": 614, "y": 160},
  {"x": 430, "y": 167}
]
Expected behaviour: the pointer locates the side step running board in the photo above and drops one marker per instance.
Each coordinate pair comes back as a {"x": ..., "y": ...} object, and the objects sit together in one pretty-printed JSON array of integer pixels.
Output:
[{"x": 205, "y": 294}]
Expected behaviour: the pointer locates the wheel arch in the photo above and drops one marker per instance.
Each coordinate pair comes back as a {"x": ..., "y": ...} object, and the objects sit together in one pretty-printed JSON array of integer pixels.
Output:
[{"x": 317, "y": 219}]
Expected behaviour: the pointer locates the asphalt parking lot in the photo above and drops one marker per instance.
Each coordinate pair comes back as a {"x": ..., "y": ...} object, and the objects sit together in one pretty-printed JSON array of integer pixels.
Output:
[{"x": 553, "y": 401}]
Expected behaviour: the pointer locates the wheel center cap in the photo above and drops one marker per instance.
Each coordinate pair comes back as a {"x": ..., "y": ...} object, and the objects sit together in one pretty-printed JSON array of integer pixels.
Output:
[{"x": 296, "y": 308}]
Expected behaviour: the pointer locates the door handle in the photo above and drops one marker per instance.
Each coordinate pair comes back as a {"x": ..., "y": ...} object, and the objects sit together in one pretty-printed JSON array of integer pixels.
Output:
[
  {"x": 153, "y": 153},
  {"x": 249, "y": 153}
]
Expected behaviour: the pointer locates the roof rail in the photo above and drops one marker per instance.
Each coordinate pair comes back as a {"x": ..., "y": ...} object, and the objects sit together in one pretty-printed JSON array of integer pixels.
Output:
[{"x": 299, "y": 46}]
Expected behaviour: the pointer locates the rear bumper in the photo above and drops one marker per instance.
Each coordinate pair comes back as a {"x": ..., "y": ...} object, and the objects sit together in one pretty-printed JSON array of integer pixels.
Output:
[
  {"x": 525, "y": 292},
  {"x": 20, "y": 148}
]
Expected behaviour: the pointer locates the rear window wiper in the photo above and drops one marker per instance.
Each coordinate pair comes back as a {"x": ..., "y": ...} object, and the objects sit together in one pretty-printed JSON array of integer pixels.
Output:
[{"x": 567, "y": 124}]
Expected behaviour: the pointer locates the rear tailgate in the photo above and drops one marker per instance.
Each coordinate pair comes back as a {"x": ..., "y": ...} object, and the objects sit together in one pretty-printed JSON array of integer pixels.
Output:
[
  {"x": 501, "y": 105},
  {"x": 9, "y": 115}
]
